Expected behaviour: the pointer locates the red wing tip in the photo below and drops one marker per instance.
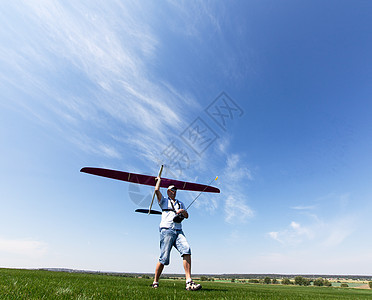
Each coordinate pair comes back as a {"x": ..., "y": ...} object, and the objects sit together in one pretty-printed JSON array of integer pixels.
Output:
[{"x": 87, "y": 169}]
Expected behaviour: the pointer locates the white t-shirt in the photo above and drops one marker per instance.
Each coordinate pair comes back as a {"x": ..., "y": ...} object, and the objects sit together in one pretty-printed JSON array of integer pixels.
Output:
[{"x": 167, "y": 216}]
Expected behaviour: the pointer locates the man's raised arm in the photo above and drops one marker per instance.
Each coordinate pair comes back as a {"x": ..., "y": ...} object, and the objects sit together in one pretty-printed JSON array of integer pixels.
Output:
[{"x": 157, "y": 189}]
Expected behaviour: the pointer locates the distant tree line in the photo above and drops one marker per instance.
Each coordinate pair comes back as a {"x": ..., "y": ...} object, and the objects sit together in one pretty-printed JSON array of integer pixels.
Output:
[
  {"x": 322, "y": 282},
  {"x": 298, "y": 280},
  {"x": 253, "y": 281},
  {"x": 268, "y": 280},
  {"x": 206, "y": 278},
  {"x": 286, "y": 281}
]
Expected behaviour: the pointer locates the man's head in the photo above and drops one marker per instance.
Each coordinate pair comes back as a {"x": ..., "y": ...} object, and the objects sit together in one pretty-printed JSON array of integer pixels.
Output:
[{"x": 172, "y": 190}]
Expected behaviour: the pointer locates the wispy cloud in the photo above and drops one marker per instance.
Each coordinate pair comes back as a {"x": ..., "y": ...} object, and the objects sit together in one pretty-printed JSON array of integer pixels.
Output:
[
  {"x": 85, "y": 68},
  {"x": 92, "y": 146},
  {"x": 328, "y": 233},
  {"x": 327, "y": 223},
  {"x": 235, "y": 178},
  {"x": 236, "y": 169},
  {"x": 236, "y": 210},
  {"x": 194, "y": 17},
  {"x": 293, "y": 235},
  {"x": 304, "y": 207},
  {"x": 339, "y": 230}
]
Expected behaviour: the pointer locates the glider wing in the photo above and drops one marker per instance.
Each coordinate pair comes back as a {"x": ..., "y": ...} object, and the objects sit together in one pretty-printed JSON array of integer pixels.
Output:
[
  {"x": 148, "y": 211},
  {"x": 149, "y": 180}
]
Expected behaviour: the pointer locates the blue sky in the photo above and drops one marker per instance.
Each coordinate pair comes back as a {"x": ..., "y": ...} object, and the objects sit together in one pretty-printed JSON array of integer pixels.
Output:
[{"x": 125, "y": 84}]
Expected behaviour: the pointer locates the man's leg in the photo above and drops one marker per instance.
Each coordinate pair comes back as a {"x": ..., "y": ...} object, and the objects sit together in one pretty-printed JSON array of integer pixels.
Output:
[
  {"x": 187, "y": 266},
  {"x": 190, "y": 285},
  {"x": 184, "y": 248},
  {"x": 158, "y": 270},
  {"x": 167, "y": 238}
]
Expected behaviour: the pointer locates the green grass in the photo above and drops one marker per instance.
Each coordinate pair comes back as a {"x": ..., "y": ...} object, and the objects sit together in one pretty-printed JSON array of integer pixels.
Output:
[{"x": 28, "y": 284}]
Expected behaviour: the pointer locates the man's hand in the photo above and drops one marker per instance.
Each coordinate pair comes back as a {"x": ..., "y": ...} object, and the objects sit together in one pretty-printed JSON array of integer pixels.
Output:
[
  {"x": 158, "y": 180},
  {"x": 183, "y": 212}
]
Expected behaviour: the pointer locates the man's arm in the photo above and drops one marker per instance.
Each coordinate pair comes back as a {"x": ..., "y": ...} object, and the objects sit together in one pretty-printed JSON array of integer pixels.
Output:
[{"x": 157, "y": 189}]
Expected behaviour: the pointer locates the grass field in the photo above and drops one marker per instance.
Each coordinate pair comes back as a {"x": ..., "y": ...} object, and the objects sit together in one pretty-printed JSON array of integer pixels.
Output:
[{"x": 31, "y": 284}]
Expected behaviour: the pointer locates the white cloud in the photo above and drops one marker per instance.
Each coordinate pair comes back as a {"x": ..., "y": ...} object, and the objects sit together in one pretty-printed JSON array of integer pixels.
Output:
[
  {"x": 326, "y": 224},
  {"x": 194, "y": 17},
  {"x": 92, "y": 146},
  {"x": 236, "y": 211},
  {"x": 108, "y": 57},
  {"x": 293, "y": 235},
  {"x": 304, "y": 207},
  {"x": 329, "y": 233},
  {"x": 234, "y": 178},
  {"x": 109, "y": 151},
  {"x": 295, "y": 225},
  {"x": 302, "y": 231},
  {"x": 236, "y": 170},
  {"x": 223, "y": 144},
  {"x": 274, "y": 235}
]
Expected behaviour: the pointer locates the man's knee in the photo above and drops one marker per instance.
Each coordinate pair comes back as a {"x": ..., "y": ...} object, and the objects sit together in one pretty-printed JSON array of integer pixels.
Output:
[{"x": 164, "y": 261}]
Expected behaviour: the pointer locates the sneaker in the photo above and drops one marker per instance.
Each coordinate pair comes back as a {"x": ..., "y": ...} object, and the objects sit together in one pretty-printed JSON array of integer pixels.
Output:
[
  {"x": 155, "y": 285},
  {"x": 192, "y": 286}
]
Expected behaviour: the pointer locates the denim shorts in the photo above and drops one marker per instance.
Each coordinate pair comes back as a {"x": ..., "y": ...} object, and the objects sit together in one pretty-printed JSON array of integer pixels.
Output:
[{"x": 172, "y": 238}]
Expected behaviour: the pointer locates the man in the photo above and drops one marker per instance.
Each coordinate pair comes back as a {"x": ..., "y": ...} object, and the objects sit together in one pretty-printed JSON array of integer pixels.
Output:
[{"x": 171, "y": 235}]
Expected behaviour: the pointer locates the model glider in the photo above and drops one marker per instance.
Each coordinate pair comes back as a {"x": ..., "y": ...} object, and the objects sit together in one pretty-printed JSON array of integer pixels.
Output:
[{"x": 151, "y": 180}]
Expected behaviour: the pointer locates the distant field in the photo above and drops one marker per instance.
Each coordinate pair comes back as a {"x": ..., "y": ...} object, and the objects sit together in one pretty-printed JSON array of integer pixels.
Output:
[{"x": 27, "y": 284}]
